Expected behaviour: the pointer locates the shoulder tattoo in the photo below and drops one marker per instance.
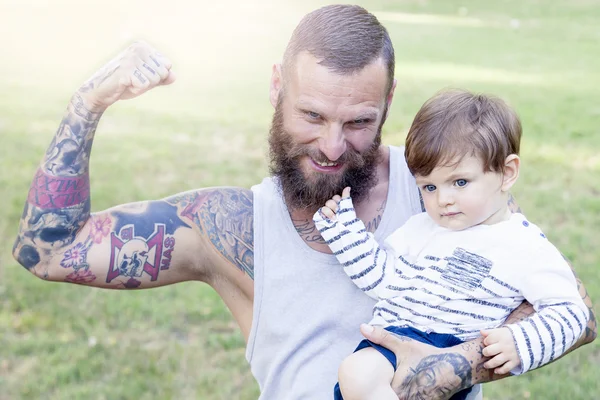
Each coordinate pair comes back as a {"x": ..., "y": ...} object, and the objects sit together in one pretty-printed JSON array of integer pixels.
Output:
[{"x": 225, "y": 215}]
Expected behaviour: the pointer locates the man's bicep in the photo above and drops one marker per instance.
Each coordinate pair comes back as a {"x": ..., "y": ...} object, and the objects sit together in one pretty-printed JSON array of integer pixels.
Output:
[
  {"x": 224, "y": 219},
  {"x": 131, "y": 246},
  {"x": 156, "y": 243}
]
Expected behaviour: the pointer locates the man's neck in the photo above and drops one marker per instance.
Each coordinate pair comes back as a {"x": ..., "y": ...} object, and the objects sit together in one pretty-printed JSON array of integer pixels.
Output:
[{"x": 369, "y": 210}]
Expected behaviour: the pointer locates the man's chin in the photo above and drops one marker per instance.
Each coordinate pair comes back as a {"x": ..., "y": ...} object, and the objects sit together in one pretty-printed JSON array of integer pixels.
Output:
[{"x": 312, "y": 194}]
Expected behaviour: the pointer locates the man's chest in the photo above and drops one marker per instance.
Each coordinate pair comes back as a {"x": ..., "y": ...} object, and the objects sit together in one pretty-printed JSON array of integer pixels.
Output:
[{"x": 370, "y": 214}]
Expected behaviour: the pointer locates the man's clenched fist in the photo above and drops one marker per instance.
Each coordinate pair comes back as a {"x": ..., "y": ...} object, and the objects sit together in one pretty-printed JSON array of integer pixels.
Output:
[{"x": 134, "y": 71}]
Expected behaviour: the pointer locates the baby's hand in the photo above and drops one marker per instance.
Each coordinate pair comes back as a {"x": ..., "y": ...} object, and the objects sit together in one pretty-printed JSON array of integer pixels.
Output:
[
  {"x": 331, "y": 206},
  {"x": 500, "y": 346}
]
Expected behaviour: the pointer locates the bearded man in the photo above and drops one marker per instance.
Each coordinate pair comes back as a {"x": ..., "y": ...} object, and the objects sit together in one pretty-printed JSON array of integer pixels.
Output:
[{"x": 258, "y": 248}]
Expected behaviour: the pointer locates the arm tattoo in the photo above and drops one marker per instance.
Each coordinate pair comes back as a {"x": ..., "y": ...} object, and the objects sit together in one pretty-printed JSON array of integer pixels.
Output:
[
  {"x": 521, "y": 313},
  {"x": 53, "y": 192},
  {"x": 76, "y": 258},
  {"x": 81, "y": 110},
  {"x": 58, "y": 203},
  {"x": 226, "y": 216},
  {"x": 591, "y": 330},
  {"x": 437, "y": 376},
  {"x": 142, "y": 242}
]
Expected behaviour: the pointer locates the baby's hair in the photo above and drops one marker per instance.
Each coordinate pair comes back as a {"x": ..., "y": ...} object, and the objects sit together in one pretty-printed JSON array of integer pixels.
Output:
[{"x": 457, "y": 123}]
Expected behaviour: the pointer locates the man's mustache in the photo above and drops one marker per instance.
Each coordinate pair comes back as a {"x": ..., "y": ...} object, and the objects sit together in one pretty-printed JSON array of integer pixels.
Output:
[{"x": 350, "y": 156}]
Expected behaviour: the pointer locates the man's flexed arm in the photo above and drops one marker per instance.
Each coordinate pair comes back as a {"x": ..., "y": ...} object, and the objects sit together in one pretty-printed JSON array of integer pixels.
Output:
[
  {"x": 190, "y": 236},
  {"x": 138, "y": 245},
  {"x": 58, "y": 204}
]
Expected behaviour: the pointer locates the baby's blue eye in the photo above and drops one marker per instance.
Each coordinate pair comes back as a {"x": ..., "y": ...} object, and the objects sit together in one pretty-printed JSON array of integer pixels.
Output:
[
  {"x": 429, "y": 188},
  {"x": 461, "y": 182}
]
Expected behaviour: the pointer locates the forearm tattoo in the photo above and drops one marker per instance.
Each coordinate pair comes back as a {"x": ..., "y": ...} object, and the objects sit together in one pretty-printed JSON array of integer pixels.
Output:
[
  {"x": 591, "y": 330},
  {"x": 225, "y": 216},
  {"x": 58, "y": 203}
]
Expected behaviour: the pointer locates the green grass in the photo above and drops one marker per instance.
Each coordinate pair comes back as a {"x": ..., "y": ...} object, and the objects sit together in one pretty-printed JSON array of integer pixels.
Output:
[{"x": 67, "y": 342}]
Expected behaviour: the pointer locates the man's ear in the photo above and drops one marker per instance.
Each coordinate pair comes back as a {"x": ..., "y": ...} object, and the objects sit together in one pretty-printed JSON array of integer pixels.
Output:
[
  {"x": 276, "y": 84},
  {"x": 511, "y": 171}
]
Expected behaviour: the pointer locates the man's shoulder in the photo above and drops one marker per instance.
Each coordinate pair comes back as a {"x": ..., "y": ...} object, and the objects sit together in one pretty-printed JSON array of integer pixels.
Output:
[
  {"x": 233, "y": 202},
  {"x": 224, "y": 216}
]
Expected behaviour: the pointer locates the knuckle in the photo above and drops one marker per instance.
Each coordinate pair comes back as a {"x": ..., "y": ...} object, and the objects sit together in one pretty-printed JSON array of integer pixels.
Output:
[{"x": 384, "y": 335}]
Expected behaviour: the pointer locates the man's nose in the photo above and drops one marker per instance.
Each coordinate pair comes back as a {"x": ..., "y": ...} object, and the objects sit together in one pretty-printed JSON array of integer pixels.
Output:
[{"x": 333, "y": 142}]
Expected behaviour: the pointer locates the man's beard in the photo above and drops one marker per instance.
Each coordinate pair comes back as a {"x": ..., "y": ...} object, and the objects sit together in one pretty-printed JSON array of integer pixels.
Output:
[{"x": 311, "y": 192}]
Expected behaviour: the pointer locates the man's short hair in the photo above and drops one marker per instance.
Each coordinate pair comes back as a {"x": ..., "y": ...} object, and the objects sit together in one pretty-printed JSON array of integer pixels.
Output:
[
  {"x": 344, "y": 38},
  {"x": 457, "y": 123}
]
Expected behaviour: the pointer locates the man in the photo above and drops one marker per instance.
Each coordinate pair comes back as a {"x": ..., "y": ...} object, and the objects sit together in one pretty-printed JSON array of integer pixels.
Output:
[{"x": 257, "y": 248}]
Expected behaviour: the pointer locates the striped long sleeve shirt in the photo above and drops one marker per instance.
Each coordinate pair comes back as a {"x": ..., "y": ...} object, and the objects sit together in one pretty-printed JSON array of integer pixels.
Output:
[{"x": 460, "y": 282}]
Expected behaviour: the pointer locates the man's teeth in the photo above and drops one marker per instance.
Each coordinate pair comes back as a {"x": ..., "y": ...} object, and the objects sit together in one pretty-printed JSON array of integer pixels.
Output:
[{"x": 326, "y": 164}]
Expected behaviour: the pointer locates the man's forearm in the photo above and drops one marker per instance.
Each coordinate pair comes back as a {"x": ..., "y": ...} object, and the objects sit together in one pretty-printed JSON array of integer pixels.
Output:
[
  {"x": 428, "y": 373},
  {"x": 591, "y": 331},
  {"x": 58, "y": 203}
]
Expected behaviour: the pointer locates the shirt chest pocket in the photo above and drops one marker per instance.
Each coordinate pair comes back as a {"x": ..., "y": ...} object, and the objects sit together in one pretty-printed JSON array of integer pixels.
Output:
[{"x": 463, "y": 269}]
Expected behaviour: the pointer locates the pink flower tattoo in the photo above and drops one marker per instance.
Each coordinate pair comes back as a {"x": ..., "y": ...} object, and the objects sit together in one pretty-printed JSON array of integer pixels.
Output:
[
  {"x": 100, "y": 228},
  {"x": 80, "y": 277}
]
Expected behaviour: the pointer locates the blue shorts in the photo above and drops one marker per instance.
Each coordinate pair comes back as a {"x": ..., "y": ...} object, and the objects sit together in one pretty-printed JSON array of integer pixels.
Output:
[{"x": 440, "y": 340}]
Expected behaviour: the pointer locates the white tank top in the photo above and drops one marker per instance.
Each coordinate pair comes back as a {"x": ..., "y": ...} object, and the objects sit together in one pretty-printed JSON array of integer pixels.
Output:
[{"x": 307, "y": 312}]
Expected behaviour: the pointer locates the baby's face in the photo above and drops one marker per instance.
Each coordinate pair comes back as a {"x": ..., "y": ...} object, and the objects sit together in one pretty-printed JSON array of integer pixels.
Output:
[{"x": 462, "y": 195}]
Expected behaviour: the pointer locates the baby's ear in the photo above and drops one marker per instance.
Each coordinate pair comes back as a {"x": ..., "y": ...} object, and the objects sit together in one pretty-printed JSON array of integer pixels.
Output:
[{"x": 511, "y": 171}]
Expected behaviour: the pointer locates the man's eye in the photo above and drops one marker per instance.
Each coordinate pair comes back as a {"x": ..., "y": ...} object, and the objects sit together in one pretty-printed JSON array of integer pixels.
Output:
[
  {"x": 461, "y": 182},
  {"x": 429, "y": 188},
  {"x": 313, "y": 115},
  {"x": 361, "y": 121}
]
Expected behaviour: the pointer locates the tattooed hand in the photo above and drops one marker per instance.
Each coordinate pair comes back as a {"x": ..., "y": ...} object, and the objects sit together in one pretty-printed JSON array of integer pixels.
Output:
[
  {"x": 423, "y": 371},
  {"x": 133, "y": 72}
]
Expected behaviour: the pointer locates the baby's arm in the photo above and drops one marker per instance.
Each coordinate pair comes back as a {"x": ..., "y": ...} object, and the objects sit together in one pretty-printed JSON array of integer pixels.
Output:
[
  {"x": 364, "y": 261},
  {"x": 561, "y": 316}
]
